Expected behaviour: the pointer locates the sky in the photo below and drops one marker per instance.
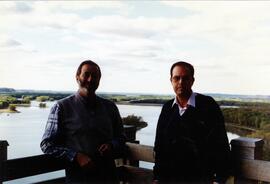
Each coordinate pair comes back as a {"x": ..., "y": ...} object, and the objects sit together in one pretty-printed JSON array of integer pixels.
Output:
[{"x": 135, "y": 43}]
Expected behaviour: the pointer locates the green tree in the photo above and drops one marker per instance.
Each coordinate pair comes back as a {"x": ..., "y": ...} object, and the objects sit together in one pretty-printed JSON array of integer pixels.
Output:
[
  {"x": 42, "y": 98},
  {"x": 26, "y": 99},
  {"x": 8, "y": 99},
  {"x": 12, "y": 107},
  {"x": 135, "y": 120},
  {"x": 42, "y": 105},
  {"x": 253, "y": 117}
]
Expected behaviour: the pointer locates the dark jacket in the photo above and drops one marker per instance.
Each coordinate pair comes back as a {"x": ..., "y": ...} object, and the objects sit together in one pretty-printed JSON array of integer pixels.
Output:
[{"x": 193, "y": 147}]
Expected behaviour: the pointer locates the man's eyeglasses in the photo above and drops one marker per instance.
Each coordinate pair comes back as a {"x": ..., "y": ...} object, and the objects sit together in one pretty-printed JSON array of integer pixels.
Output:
[{"x": 183, "y": 79}]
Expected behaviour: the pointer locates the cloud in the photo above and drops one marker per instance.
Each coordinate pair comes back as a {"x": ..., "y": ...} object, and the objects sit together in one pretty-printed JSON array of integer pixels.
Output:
[
  {"x": 52, "y": 14},
  {"x": 9, "y": 43},
  {"x": 12, "y": 46},
  {"x": 22, "y": 7},
  {"x": 224, "y": 40},
  {"x": 78, "y": 5},
  {"x": 8, "y": 7}
]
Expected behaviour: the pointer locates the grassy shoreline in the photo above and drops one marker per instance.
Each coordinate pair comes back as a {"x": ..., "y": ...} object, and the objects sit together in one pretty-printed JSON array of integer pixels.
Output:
[
  {"x": 22, "y": 105},
  {"x": 8, "y": 111}
]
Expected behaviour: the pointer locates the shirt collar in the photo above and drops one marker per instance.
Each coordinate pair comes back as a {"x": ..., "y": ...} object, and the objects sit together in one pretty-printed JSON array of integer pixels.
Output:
[
  {"x": 191, "y": 100},
  {"x": 85, "y": 101}
]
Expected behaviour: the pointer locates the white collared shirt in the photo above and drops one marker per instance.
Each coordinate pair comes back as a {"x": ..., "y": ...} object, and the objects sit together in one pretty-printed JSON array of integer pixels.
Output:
[{"x": 191, "y": 102}]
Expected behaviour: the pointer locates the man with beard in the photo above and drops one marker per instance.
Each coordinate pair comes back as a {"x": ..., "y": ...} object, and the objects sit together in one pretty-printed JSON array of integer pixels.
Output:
[
  {"x": 86, "y": 130},
  {"x": 191, "y": 144}
]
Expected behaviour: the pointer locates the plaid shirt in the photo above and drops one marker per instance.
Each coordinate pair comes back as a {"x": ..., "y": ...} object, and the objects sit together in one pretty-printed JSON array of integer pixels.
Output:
[
  {"x": 51, "y": 138},
  {"x": 48, "y": 144}
]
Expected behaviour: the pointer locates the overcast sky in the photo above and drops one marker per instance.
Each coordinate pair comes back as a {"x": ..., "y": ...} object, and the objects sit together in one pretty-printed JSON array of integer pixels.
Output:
[{"x": 135, "y": 43}]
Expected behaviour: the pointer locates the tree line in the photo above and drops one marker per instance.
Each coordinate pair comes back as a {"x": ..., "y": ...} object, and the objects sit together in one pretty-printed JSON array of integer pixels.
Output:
[{"x": 252, "y": 115}]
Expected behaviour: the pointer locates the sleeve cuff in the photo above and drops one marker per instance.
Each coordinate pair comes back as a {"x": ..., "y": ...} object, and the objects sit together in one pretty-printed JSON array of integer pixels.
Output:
[
  {"x": 71, "y": 155},
  {"x": 115, "y": 144}
]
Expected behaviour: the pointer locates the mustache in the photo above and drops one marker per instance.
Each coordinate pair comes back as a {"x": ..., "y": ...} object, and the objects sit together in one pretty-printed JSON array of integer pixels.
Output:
[
  {"x": 92, "y": 86},
  {"x": 84, "y": 84}
]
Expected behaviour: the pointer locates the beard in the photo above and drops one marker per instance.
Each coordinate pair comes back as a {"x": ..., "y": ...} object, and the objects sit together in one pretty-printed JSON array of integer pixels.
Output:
[{"x": 88, "y": 87}]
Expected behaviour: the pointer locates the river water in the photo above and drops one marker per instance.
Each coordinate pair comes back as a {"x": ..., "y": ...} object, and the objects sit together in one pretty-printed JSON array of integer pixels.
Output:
[{"x": 24, "y": 130}]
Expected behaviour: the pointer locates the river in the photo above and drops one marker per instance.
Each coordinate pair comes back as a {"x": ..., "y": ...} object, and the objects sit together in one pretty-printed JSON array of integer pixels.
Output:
[{"x": 24, "y": 130}]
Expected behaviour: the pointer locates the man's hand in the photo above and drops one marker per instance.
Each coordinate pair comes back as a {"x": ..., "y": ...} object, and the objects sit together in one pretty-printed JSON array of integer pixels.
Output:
[
  {"x": 105, "y": 149},
  {"x": 84, "y": 160}
]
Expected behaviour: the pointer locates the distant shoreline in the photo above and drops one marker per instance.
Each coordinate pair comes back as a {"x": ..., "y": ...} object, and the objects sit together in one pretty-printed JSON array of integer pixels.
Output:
[
  {"x": 8, "y": 111},
  {"x": 240, "y": 129},
  {"x": 138, "y": 104}
]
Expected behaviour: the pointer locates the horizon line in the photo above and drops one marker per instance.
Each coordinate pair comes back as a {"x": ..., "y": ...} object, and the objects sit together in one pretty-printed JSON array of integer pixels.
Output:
[{"x": 137, "y": 93}]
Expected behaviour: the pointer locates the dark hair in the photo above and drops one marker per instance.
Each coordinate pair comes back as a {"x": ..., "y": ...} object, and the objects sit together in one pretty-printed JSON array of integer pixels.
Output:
[
  {"x": 186, "y": 65},
  {"x": 87, "y": 62}
]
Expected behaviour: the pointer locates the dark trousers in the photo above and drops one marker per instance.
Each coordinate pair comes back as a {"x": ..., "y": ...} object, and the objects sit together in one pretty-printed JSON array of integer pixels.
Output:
[{"x": 102, "y": 172}]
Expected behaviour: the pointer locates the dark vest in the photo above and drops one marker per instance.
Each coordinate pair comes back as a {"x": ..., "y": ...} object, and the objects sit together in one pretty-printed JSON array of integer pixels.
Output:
[{"x": 84, "y": 128}]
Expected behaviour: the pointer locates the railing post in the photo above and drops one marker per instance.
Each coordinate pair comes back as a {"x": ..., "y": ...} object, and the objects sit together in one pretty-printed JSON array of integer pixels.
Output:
[
  {"x": 130, "y": 131},
  {"x": 3, "y": 157},
  {"x": 245, "y": 148}
]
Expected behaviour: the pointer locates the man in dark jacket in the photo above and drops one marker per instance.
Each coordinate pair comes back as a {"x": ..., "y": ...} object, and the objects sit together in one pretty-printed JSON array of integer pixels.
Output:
[
  {"x": 86, "y": 130},
  {"x": 191, "y": 144}
]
